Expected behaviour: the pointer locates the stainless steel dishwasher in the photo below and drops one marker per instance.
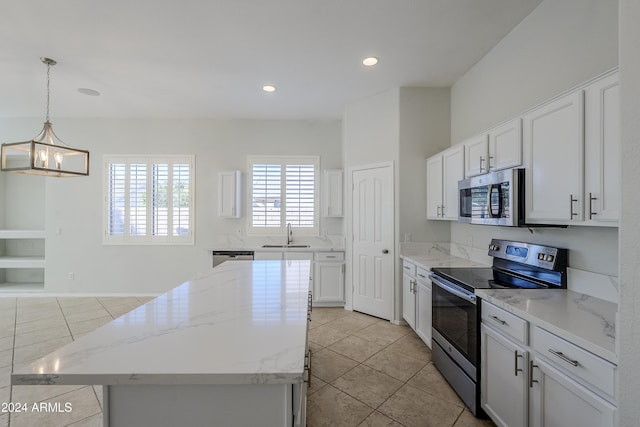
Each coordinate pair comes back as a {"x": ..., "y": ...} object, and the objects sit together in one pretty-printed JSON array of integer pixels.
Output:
[{"x": 221, "y": 256}]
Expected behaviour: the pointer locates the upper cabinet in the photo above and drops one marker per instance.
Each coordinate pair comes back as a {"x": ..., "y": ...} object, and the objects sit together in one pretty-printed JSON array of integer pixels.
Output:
[
  {"x": 500, "y": 148},
  {"x": 554, "y": 157},
  {"x": 505, "y": 146},
  {"x": 602, "y": 152},
  {"x": 476, "y": 155},
  {"x": 444, "y": 170},
  {"x": 229, "y": 194},
  {"x": 332, "y": 193}
]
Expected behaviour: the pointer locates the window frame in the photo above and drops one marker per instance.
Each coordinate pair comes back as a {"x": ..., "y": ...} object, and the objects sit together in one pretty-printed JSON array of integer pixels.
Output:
[
  {"x": 283, "y": 161},
  {"x": 149, "y": 160}
]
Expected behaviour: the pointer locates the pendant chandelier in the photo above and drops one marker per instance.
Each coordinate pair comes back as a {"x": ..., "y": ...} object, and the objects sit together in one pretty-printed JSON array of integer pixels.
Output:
[{"x": 45, "y": 154}]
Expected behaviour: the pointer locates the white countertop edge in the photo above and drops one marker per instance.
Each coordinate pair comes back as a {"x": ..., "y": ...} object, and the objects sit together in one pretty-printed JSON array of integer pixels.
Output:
[
  {"x": 607, "y": 354},
  {"x": 158, "y": 379}
]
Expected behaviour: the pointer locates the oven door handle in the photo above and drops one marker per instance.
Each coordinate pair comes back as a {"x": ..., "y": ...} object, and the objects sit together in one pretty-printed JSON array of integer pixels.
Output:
[{"x": 454, "y": 291}]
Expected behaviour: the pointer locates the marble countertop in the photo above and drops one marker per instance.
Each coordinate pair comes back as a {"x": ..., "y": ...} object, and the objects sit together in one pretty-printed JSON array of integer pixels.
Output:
[
  {"x": 586, "y": 321},
  {"x": 243, "y": 323},
  {"x": 435, "y": 258}
]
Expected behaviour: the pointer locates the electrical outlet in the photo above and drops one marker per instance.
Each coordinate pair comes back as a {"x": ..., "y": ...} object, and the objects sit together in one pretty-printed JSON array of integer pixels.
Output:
[{"x": 71, "y": 275}]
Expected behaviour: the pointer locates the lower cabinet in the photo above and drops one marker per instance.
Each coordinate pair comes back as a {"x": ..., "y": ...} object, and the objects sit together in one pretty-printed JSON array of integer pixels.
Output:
[
  {"x": 416, "y": 300},
  {"x": 423, "y": 310},
  {"x": 503, "y": 391},
  {"x": 328, "y": 279},
  {"x": 549, "y": 382},
  {"x": 557, "y": 400}
]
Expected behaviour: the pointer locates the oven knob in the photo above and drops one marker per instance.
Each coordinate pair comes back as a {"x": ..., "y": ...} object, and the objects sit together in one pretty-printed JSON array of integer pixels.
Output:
[
  {"x": 549, "y": 258},
  {"x": 541, "y": 257}
]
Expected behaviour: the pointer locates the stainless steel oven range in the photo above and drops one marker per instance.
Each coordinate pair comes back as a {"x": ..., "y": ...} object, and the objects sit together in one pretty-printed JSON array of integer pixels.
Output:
[{"x": 456, "y": 313}]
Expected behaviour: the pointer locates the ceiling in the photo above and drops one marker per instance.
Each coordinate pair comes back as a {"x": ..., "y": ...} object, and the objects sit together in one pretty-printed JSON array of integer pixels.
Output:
[{"x": 210, "y": 58}]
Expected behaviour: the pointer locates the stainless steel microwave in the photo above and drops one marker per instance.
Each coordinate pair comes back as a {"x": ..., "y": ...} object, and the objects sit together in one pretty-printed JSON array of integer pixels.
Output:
[{"x": 495, "y": 198}]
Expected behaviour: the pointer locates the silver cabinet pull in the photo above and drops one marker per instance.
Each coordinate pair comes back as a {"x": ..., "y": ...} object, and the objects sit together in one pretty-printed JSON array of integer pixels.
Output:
[
  {"x": 442, "y": 210},
  {"x": 406, "y": 267},
  {"x": 438, "y": 211},
  {"x": 422, "y": 275},
  {"x": 490, "y": 167},
  {"x": 571, "y": 201},
  {"x": 306, "y": 376},
  {"x": 515, "y": 361},
  {"x": 482, "y": 159},
  {"x": 563, "y": 357},
  {"x": 499, "y": 320},
  {"x": 591, "y": 212},
  {"x": 531, "y": 380}
]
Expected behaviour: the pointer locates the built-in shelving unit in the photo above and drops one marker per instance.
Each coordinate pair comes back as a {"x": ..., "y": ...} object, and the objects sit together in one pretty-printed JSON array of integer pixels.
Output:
[{"x": 22, "y": 260}]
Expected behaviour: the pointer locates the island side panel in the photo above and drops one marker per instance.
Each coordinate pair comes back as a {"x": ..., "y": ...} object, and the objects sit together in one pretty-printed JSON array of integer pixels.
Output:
[{"x": 198, "y": 405}]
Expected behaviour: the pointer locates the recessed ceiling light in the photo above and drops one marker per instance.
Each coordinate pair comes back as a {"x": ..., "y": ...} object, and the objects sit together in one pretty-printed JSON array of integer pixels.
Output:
[
  {"x": 87, "y": 91},
  {"x": 269, "y": 88},
  {"x": 370, "y": 61}
]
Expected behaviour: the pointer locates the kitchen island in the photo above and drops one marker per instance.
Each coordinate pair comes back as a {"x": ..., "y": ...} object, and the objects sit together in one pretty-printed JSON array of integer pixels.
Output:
[{"x": 228, "y": 348}]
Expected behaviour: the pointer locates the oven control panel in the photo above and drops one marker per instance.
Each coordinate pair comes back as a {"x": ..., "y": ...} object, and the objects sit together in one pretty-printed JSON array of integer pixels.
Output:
[{"x": 546, "y": 257}]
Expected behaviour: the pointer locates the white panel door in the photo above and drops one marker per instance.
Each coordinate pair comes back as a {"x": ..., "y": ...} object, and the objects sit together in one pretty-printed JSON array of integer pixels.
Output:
[
  {"x": 372, "y": 228},
  {"x": 434, "y": 187},
  {"x": 553, "y": 141},
  {"x": 476, "y": 156},
  {"x": 602, "y": 152},
  {"x": 505, "y": 145}
]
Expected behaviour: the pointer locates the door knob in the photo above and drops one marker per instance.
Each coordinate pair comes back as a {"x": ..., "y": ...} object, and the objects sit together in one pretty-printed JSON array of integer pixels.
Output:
[{"x": 385, "y": 251}]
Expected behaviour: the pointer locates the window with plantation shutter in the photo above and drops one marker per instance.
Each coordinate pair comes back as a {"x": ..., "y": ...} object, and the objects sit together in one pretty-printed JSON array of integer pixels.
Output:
[
  {"x": 283, "y": 190},
  {"x": 148, "y": 200}
]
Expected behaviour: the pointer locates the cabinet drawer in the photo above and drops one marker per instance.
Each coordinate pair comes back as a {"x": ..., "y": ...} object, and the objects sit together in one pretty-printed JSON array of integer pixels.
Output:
[
  {"x": 504, "y": 321},
  {"x": 409, "y": 268},
  {"x": 329, "y": 256},
  {"x": 583, "y": 365},
  {"x": 422, "y": 275}
]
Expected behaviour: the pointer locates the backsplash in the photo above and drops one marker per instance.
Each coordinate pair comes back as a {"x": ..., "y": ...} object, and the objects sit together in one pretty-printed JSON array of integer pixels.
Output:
[
  {"x": 594, "y": 284},
  {"x": 235, "y": 241}
]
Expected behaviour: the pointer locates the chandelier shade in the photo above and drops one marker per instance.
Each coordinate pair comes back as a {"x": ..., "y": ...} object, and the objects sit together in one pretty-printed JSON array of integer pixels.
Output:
[{"x": 45, "y": 154}]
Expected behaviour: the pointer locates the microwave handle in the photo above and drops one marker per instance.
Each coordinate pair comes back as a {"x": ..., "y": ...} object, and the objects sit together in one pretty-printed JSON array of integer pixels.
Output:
[{"x": 491, "y": 213}]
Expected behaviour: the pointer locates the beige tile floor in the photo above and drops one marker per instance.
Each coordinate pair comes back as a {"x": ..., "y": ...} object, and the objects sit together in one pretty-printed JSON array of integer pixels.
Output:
[{"x": 365, "y": 371}]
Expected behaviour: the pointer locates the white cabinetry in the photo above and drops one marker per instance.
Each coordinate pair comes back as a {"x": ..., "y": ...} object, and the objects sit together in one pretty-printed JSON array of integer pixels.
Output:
[
  {"x": 504, "y": 357},
  {"x": 328, "y": 280},
  {"x": 505, "y": 145},
  {"x": 444, "y": 170},
  {"x": 229, "y": 194},
  {"x": 409, "y": 293},
  {"x": 416, "y": 300},
  {"x": 22, "y": 260},
  {"x": 500, "y": 148},
  {"x": 551, "y": 382},
  {"x": 423, "y": 306},
  {"x": 476, "y": 155},
  {"x": 332, "y": 193},
  {"x": 554, "y": 157},
  {"x": 602, "y": 152}
]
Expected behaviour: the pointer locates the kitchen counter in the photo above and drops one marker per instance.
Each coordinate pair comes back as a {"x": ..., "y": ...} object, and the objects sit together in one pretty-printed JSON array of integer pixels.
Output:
[
  {"x": 245, "y": 322},
  {"x": 434, "y": 259},
  {"x": 587, "y": 321},
  {"x": 208, "y": 349}
]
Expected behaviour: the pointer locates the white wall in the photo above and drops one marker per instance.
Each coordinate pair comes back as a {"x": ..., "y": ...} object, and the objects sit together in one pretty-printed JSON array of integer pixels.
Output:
[
  {"x": 559, "y": 45},
  {"x": 629, "y": 311},
  {"x": 403, "y": 126},
  {"x": 74, "y": 206}
]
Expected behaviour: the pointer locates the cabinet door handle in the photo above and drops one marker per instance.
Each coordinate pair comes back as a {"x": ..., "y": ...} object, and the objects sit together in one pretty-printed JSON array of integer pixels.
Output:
[
  {"x": 422, "y": 275},
  {"x": 442, "y": 210},
  {"x": 531, "y": 380},
  {"x": 563, "y": 357},
  {"x": 515, "y": 361},
  {"x": 499, "y": 320},
  {"x": 438, "y": 211},
  {"x": 490, "y": 167},
  {"x": 481, "y": 161},
  {"x": 571, "y": 200},
  {"x": 591, "y": 212}
]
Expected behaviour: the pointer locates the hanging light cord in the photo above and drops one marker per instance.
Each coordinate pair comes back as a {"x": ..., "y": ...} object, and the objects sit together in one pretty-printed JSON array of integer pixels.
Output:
[{"x": 48, "y": 86}]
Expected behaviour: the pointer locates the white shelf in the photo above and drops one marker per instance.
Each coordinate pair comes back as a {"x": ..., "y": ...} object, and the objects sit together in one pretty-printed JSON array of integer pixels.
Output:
[
  {"x": 21, "y": 262},
  {"x": 22, "y": 234},
  {"x": 21, "y": 287}
]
